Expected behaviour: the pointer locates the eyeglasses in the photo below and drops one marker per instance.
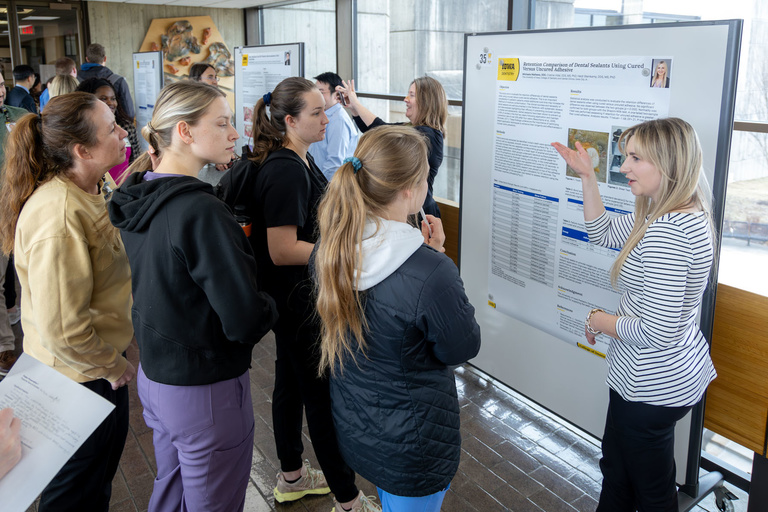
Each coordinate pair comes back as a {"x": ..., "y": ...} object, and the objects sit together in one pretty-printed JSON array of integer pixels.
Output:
[{"x": 210, "y": 78}]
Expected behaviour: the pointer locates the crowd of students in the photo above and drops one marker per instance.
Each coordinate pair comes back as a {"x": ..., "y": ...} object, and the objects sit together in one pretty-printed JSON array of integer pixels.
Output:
[{"x": 369, "y": 316}]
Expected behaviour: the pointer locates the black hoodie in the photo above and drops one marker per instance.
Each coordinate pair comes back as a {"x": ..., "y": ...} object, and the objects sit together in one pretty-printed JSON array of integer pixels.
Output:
[{"x": 197, "y": 311}]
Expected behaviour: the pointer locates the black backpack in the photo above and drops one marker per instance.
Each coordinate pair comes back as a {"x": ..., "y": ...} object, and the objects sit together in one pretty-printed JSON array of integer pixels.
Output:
[{"x": 238, "y": 185}]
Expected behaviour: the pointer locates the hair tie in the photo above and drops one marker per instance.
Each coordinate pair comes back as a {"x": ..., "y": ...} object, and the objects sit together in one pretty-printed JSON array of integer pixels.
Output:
[
  {"x": 356, "y": 163},
  {"x": 267, "y": 98}
]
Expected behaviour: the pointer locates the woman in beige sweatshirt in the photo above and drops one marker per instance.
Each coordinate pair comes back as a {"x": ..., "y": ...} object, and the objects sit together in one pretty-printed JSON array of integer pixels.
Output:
[{"x": 74, "y": 274}]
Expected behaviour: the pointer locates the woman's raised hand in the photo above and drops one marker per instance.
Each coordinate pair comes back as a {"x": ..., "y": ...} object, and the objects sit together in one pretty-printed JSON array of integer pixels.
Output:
[
  {"x": 349, "y": 94},
  {"x": 578, "y": 159}
]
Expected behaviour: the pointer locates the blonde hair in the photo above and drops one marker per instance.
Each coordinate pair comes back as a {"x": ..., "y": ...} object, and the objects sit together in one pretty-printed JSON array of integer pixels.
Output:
[
  {"x": 180, "y": 101},
  {"x": 656, "y": 76},
  {"x": 673, "y": 147},
  {"x": 432, "y": 104},
  {"x": 393, "y": 158},
  {"x": 62, "y": 84}
]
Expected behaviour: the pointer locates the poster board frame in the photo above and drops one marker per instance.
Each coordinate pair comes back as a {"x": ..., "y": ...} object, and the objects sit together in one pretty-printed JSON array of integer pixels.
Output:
[
  {"x": 295, "y": 68},
  {"x": 145, "y": 109},
  {"x": 564, "y": 379}
]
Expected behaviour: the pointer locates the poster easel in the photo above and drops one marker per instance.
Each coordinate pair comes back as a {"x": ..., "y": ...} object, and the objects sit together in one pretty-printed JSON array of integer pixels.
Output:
[{"x": 562, "y": 377}]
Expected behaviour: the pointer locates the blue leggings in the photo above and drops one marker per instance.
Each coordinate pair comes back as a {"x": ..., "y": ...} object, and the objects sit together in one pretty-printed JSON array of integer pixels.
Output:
[{"x": 394, "y": 503}]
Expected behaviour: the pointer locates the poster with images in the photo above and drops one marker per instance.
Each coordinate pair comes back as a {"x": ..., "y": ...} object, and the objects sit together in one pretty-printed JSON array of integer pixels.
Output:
[
  {"x": 543, "y": 270},
  {"x": 258, "y": 70},
  {"x": 147, "y": 83}
]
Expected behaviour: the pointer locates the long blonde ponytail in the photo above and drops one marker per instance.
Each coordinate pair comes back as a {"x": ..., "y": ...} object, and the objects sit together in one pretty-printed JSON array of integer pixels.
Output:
[{"x": 391, "y": 159}]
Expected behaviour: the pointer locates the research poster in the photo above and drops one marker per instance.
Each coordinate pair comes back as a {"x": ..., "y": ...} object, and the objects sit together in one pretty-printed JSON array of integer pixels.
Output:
[
  {"x": 543, "y": 270},
  {"x": 147, "y": 83},
  {"x": 258, "y": 69}
]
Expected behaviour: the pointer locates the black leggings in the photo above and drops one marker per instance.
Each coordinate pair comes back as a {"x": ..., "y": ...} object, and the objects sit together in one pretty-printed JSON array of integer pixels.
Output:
[
  {"x": 638, "y": 461},
  {"x": 298, "y": 388}
]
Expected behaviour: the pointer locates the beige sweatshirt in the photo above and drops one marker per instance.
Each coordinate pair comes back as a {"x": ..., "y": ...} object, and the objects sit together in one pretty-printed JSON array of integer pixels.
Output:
[{"x": 75, "y": 283}]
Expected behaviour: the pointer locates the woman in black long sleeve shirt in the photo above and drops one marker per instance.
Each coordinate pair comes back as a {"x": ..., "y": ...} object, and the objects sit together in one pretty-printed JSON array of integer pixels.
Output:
[{"x": 426, "y": 107}]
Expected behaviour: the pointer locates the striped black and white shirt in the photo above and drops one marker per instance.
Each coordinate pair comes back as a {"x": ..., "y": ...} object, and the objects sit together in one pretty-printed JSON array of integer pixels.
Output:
[{"x": 661, "y": 356}]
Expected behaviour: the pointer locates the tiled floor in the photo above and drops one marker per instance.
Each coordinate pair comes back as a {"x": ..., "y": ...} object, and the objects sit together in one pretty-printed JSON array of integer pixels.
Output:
[{"x": 515, "y": 456}]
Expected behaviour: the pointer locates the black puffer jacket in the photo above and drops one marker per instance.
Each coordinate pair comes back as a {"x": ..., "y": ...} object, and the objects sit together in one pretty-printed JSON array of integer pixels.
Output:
[{"x": 396, "y": 411}]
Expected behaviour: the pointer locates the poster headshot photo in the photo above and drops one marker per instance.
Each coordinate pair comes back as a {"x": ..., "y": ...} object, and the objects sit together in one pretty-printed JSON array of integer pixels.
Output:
[
  {"x": 596, "y": 146},
  {"x": 662, "y": 69},
  {"x": 287, "y": 58}
]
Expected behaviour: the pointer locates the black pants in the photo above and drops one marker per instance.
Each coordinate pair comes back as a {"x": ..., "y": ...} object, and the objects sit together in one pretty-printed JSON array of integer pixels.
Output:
[
  {"x": 297, "y": 387},
  {"x": 85, "y": 481},
  {"x": 10, "y": 284},
  {"x": 638, "y": 461}
]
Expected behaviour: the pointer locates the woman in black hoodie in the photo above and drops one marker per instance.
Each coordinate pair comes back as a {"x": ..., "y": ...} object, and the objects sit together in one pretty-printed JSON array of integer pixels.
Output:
[{"x": 197, "y": 311}]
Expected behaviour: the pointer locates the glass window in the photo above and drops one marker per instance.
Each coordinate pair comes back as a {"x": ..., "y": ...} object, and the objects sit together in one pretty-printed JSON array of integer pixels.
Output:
[
  {"x": 312, "y": 23},
  {"x": 6, "y": 62},
  {"x": 400, "y": 40},
  {"x": 47, "y": 34}
]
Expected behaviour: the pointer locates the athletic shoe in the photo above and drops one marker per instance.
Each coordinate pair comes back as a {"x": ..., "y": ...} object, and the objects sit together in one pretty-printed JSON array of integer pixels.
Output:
[
  {"x": 362, "y": 503},
  {"x": 7, "y": 360},
  {"x": 312, "y": 481}
]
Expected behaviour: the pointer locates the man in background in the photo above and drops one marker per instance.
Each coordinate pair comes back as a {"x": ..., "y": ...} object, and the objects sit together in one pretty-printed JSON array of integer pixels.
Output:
[
  {"x": 64, "y": 66},
  {"x": 341, "y": 133},
  {"x": 95, "y": 58},
  {"x": 19, "y": 96}
]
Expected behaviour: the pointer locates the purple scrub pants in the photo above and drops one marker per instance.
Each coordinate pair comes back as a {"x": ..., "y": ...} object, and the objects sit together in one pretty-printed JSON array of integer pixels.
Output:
[{"x": 203, "y": 437}]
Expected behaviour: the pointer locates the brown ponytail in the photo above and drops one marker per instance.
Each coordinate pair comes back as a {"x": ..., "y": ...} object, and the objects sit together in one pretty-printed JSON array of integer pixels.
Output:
[
  {"x": 186, "y": 101},
  {"x": 269, "y": 129},
  {"x": 393, "y": 159},
  {"x": 40, "y": 148}
]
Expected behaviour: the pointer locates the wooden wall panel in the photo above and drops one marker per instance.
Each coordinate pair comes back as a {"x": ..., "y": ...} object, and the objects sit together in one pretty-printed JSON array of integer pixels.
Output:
[
  {"x": 121, "y": 28},
  {"x": 449, "y": 213},
  {"x": 737, "y": 401}
]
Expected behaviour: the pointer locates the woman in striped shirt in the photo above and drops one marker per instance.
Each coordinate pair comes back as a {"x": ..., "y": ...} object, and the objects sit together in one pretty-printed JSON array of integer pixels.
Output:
[{"x": 658, "y": 360}]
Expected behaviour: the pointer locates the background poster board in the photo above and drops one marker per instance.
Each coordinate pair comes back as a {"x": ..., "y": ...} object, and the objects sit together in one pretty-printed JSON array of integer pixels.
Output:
[
  {"x": 258, "y": 69},
  {"x": 526, "y": 355},
  {"x": 147, "y": 82}
]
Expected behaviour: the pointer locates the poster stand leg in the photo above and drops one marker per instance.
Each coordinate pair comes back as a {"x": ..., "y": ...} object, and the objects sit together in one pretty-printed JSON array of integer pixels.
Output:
[
  {"x": 696, "y": 489},
  {"x": 690, "y": 497}
]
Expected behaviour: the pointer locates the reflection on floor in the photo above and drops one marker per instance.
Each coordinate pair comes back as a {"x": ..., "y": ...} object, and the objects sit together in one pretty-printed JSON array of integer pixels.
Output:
[{"x": 515, "y": 455}]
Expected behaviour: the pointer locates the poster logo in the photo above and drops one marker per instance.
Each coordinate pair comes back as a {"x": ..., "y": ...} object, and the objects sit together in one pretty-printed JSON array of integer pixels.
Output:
[
  {"x": 245, "y": 60},
  {"x": 509, "y": 69}
]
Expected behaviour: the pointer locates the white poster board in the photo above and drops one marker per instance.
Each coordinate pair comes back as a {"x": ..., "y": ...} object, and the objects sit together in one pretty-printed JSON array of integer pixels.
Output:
[
  {"x": 147, "y": 82},
  {"x": 572, "y": 79},
  {"x": 258, "y": 69}
]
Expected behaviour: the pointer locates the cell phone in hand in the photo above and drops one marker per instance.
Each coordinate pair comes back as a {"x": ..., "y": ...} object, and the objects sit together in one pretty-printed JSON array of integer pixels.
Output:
[{"x": 342, "y": 100}]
